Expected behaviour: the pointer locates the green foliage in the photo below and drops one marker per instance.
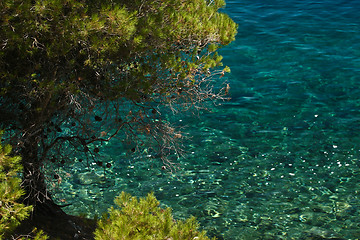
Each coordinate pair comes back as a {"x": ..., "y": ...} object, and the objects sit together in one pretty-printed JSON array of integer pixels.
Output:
[
  {"x": 34, "y": 235},
  {"x": 143, "y": 219},
  {"x": 12, "y": 212},
  {"x": 39, "y": 235}
]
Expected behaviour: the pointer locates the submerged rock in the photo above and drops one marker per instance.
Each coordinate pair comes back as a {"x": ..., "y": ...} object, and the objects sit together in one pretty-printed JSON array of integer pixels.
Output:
[
  {"x": 321, "y": 233},
  {"x": 89, "y": 178}
]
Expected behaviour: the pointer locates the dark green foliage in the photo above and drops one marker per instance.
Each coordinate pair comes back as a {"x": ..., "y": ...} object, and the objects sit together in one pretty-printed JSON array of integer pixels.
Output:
[{"x": 142, "y": 218}]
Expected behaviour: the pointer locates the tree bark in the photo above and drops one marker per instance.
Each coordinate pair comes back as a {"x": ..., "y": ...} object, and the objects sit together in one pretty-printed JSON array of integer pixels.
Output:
[{"x": 34, "y": 181}]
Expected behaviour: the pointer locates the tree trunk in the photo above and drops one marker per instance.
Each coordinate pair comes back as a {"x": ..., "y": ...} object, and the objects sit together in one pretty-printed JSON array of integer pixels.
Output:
[
  {"x": 34, "y": 181},
  {"x": 47, "y": 215}
]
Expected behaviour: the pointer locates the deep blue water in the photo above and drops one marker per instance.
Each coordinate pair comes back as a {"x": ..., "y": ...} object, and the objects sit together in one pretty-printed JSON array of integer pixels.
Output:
[{"x": 280, "y": 160}]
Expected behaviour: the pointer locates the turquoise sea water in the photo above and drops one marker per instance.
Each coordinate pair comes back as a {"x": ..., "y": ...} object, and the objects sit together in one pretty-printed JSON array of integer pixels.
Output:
[{"x": 281, "y": 159}]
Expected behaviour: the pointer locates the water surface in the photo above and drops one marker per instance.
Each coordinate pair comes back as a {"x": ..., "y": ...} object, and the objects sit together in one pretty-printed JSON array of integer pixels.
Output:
[{"x": 280, "y": 160}]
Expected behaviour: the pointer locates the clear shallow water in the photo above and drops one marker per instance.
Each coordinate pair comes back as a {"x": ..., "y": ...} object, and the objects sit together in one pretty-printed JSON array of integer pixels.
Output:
[{"x": 281, "y": 159}]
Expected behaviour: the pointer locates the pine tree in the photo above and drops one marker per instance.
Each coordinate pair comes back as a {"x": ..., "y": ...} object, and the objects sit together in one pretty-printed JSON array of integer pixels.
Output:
[
  {"x": 142, "y": 218},
  {"x": 75, "y": 74}
]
